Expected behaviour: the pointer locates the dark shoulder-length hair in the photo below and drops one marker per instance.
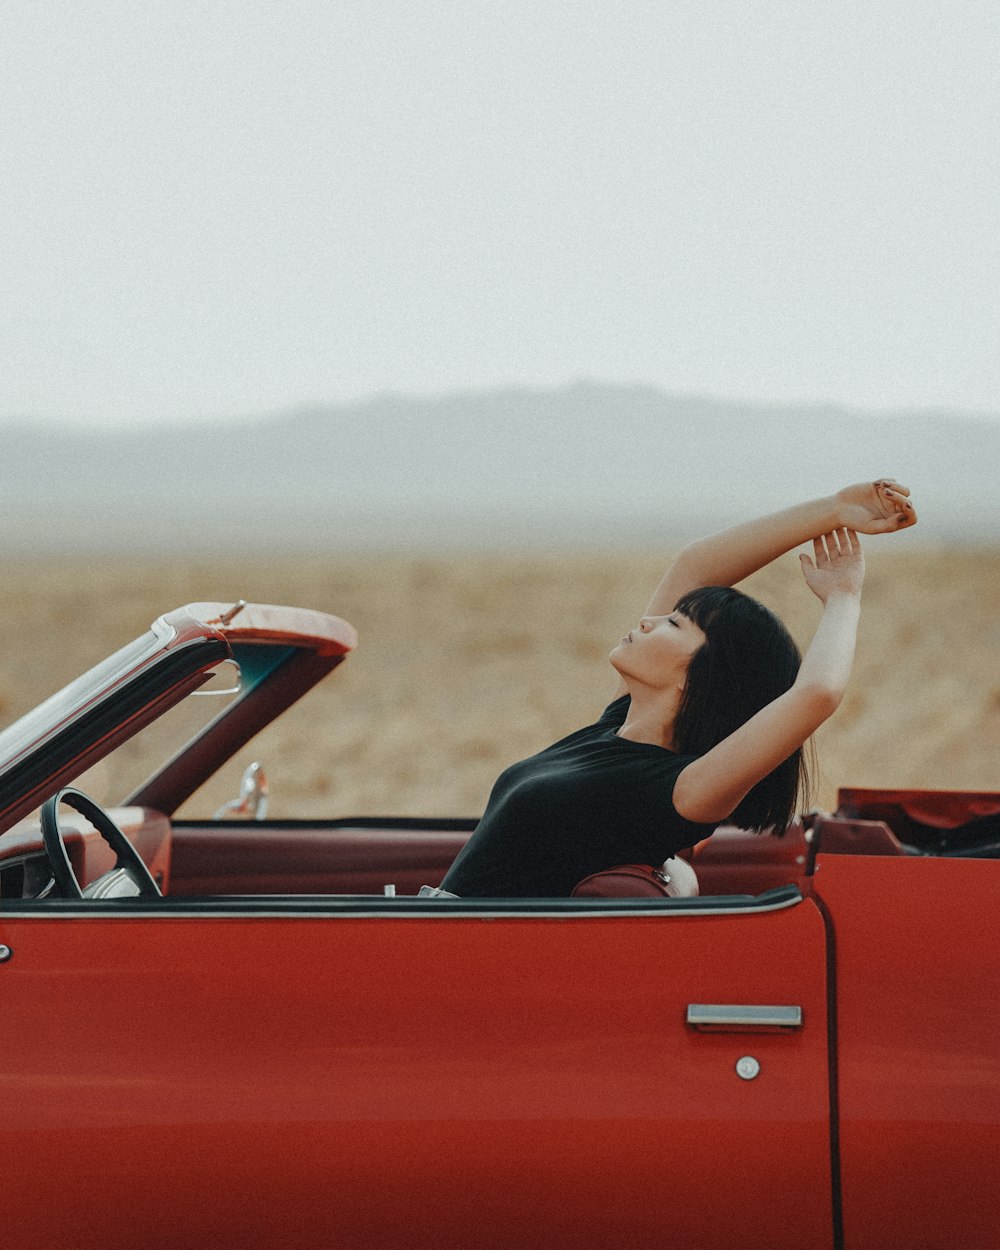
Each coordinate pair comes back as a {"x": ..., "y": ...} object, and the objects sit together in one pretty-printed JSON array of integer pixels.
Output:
[{"x": 747, "y": 660}]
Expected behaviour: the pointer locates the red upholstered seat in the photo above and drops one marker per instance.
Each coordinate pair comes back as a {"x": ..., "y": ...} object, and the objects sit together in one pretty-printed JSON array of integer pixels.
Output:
[{"x": 736, "y": 861}]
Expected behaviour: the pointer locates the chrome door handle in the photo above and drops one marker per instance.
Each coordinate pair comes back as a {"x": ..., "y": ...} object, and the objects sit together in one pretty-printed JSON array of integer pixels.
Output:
[{"x": 743, "y": 1018}]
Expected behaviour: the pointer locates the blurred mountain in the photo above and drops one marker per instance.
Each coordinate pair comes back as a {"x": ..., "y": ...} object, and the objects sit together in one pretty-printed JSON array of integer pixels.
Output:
[{"x": 583, "y": 465}]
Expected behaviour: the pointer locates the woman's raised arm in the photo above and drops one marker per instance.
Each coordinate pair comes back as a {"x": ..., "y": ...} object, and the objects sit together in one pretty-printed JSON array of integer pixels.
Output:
[
  {"x": 725, "y": 558},
  {"x": 711, "y": 787}
]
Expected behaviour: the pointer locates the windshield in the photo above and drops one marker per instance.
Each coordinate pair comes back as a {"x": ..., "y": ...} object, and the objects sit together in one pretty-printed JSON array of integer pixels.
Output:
[
  {"x": 60, "y": 708},
  {"x": 124, "y": 770}
]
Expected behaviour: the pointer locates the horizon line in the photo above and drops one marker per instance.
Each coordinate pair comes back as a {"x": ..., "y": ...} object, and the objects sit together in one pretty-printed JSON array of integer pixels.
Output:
[{"x": 93, "y": 424}]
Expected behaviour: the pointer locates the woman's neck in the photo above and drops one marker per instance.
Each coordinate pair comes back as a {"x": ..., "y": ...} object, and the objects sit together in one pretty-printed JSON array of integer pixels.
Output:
[{"x": 650, "y": 718}]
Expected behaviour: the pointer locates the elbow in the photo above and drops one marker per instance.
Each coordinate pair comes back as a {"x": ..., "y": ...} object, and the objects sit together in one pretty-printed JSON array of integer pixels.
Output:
[{"x": 819, "y": 700}]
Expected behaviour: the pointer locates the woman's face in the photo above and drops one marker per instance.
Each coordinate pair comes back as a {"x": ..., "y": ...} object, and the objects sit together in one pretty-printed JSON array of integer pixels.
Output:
[{"x": 658, "y": 651}]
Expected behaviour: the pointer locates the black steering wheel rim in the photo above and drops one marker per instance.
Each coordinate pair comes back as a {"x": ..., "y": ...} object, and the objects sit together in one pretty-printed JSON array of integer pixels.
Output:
[{"x": 128, "y": 858}]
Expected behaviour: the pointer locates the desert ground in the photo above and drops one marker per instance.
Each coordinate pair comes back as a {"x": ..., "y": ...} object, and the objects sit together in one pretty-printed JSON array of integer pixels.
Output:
[{"x": 468, "y": 663}]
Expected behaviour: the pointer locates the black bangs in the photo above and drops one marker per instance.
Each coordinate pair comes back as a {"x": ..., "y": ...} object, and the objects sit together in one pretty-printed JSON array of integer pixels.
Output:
[{"x": 704, "y": 605}]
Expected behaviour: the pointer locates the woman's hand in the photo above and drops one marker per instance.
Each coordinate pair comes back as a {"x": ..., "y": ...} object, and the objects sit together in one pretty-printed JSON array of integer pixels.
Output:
[
  {"x": 839, "y": 565},
  {"x": 880, "y": 507}
]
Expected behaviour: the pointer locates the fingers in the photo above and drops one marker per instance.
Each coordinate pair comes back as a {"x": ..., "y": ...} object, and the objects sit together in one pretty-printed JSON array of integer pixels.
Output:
[
  {"x": 890, "y": 483},
  {"x": 895, "y": 499},
  {"x": 837, "y": 544},
  {"x": 904, "y": 513},
  {"x": 825, "y": 549}
]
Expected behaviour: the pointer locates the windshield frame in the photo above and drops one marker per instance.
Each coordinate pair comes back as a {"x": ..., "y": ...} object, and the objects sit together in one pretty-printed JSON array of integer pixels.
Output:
[
  {"x": 89, "y": 718},
  {"x": 30, "y": 731}
]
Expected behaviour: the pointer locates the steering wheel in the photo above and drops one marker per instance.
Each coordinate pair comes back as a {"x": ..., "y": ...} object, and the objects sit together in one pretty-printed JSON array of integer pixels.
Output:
[{"x": 128, "y": 859}]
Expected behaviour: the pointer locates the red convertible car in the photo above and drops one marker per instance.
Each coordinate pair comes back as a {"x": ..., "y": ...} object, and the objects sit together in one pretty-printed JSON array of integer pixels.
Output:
[{"x": 241, "y": 1032}]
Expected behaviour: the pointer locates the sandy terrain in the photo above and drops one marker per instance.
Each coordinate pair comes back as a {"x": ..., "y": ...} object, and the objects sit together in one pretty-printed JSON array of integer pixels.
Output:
[{"x": 466, "y": 665}]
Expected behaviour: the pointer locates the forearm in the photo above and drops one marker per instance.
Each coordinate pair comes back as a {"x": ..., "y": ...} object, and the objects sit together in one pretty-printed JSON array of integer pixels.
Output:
[
  {"x": 725, "y": 558},
  {"x": 732, "y": 554},
  {"x": 827, "y": 663}
]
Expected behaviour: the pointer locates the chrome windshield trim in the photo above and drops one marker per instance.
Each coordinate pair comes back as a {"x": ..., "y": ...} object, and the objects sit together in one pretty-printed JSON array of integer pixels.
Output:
[{"x": 163, "y": 630}]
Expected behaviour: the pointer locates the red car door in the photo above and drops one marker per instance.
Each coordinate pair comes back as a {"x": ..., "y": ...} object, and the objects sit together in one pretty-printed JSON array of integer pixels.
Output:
[
  {"x": 918, "y": 1010},
  {"x": 392, "y": 1073}
]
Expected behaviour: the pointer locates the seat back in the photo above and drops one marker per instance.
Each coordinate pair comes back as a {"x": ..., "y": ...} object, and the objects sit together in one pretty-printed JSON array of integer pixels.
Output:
[
  {"x": 672, "y": 879},
  {"x": 737, "y": 861}
]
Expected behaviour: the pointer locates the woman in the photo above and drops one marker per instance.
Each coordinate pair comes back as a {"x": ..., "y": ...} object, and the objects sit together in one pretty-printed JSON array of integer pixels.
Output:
[{"x": 710, "y": 716}]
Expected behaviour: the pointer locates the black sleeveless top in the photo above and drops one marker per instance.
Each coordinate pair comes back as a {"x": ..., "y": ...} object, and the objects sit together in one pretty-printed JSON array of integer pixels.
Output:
[{"x": 588, "y": 802}]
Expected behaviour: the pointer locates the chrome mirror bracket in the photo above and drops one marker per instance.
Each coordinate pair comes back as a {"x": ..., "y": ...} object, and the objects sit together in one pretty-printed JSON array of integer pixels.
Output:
[{"x": 252, "y": 801}]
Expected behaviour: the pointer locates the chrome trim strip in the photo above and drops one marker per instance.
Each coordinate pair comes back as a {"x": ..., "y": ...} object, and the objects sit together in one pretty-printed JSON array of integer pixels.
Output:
[{"x": 399, "y": 907}]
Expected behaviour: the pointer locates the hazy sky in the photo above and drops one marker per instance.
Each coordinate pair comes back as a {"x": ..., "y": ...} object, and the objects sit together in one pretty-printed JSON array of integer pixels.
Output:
[{"x": 221, "y": 207}]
